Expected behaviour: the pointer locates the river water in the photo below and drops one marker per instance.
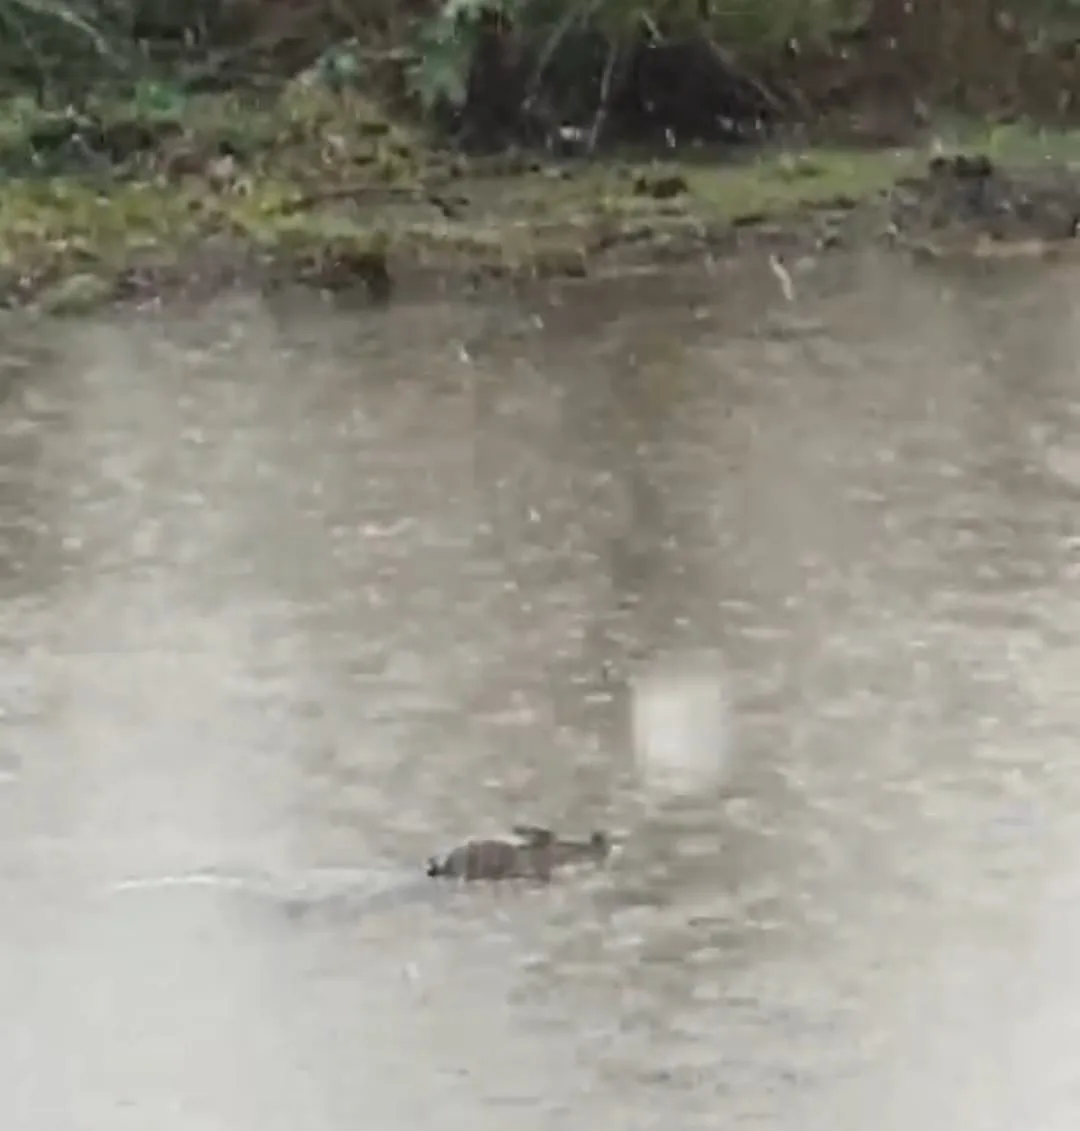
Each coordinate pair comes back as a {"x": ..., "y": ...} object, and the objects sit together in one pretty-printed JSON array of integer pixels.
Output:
[{"x": 301, "y": 594}]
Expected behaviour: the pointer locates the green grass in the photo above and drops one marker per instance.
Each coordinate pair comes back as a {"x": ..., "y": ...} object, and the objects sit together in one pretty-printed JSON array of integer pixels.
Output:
[
  {"x": 778, "y": 184},
  {"x": 1018, "y": 143}
]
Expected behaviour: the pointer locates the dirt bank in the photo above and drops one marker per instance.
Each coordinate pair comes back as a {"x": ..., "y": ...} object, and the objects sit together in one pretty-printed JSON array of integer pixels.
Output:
[{"x": 322, "y": 188}]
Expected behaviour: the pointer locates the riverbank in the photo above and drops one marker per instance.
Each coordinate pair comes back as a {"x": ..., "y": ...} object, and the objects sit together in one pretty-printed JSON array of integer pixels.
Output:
[{"x": 323, "y": 188}]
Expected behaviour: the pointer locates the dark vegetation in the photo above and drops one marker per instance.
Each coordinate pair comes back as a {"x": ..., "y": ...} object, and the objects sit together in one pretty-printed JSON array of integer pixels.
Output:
[{"x": 569, "y": 73}]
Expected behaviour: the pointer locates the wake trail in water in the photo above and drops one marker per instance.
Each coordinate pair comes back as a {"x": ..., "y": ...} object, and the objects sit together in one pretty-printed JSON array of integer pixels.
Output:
[{"x": 339, "y": 886}]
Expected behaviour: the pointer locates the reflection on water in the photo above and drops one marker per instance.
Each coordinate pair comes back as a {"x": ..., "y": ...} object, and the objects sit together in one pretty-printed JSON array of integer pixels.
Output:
[
  {"x": 285, "y": 591},
  {"x": 680, "y": 725}
]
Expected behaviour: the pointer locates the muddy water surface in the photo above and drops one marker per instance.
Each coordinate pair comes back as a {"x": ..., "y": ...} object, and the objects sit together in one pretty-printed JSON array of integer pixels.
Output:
[{"x": 291, "y": 598}]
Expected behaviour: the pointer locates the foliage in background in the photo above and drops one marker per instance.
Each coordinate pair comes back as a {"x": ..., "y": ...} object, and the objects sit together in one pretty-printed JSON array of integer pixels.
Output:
[
  {"x": 448, "y": 40},
  {"x": 60, "y": 50},
  {"x": 39, "y": 39}
]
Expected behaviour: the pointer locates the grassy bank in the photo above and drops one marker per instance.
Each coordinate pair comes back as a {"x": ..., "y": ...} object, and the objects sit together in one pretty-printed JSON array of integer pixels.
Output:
[{"x": 321, "y": 187}]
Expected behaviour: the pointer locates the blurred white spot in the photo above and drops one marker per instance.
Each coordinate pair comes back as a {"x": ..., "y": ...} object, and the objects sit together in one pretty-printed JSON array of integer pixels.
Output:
[
  {"x": 680, "y": 718},
  {"x": 783, "y": 277},
  {"x": 1064, "y": 462},
  {"x": 411, "y": 973}
]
